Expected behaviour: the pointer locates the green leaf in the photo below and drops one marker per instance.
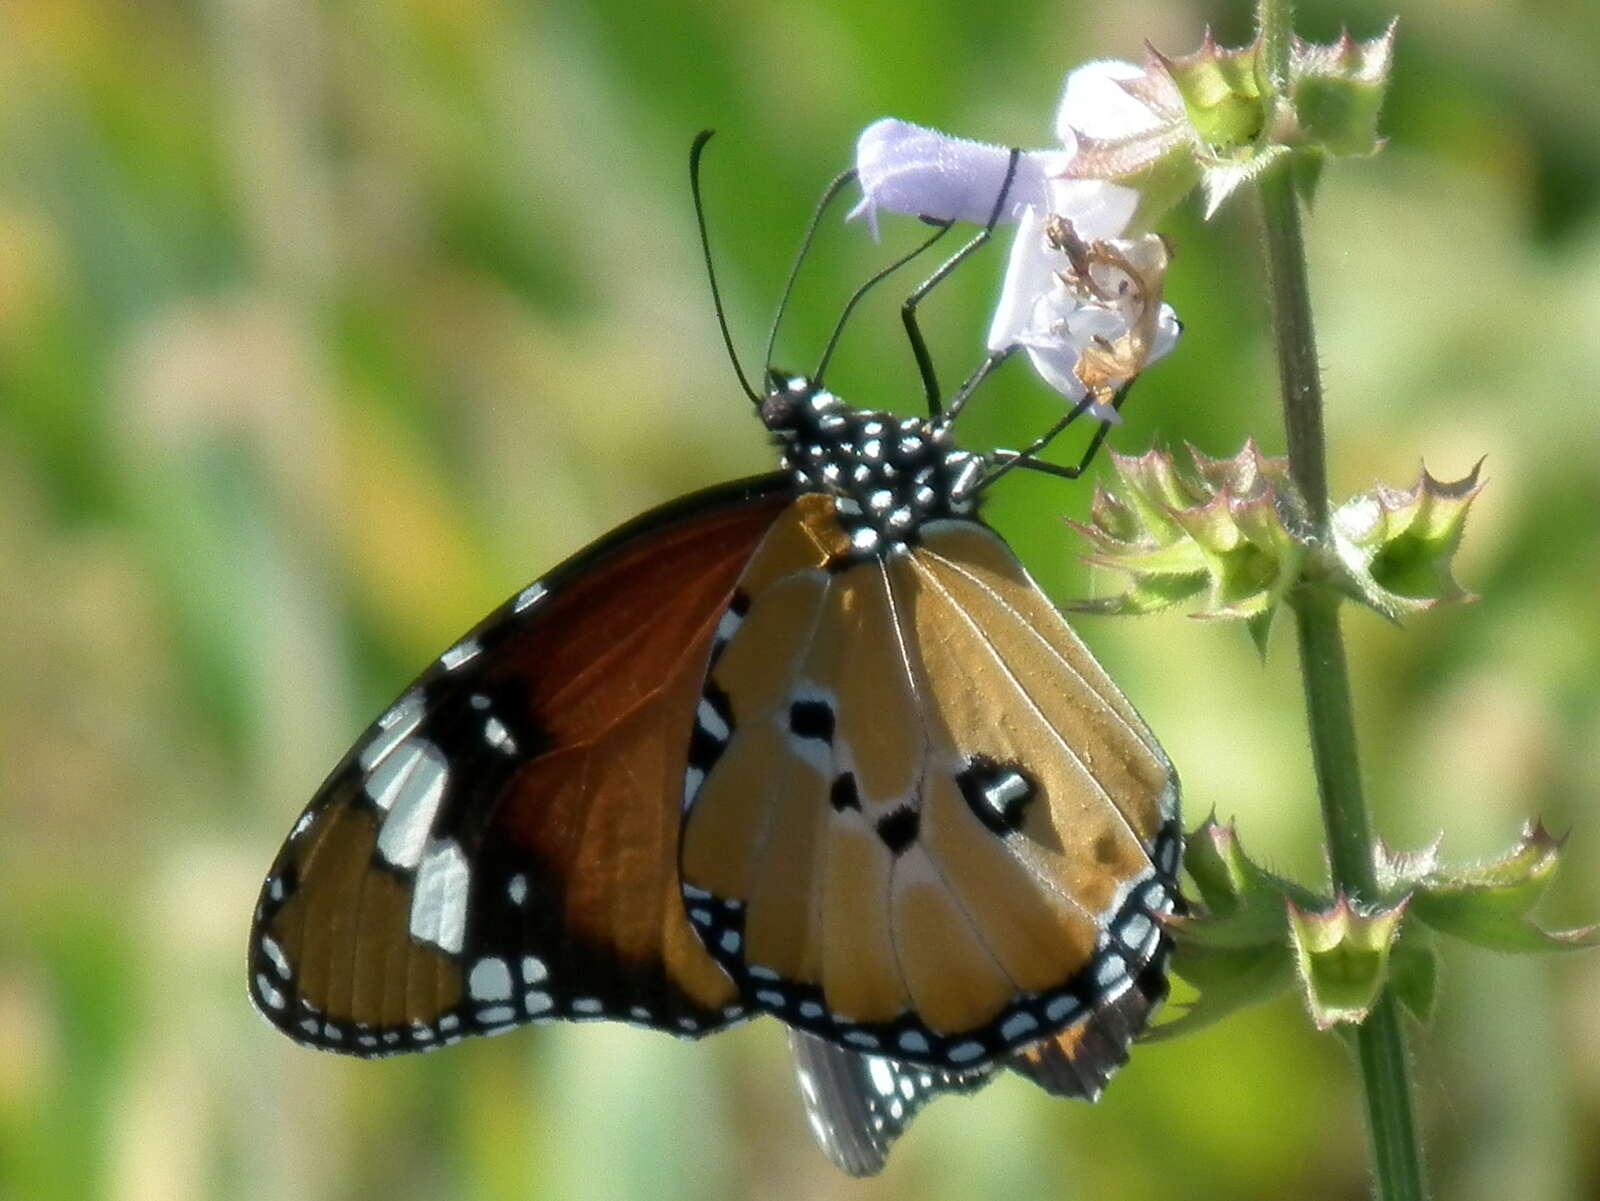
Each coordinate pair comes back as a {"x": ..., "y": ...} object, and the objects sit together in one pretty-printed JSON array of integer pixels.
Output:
[
  {"x": 1414, "y": 972},
  {"x": 1243, "y": 902},
  {"x": 1228, "y": 981},
  {"x": 1488, "y": 904}
]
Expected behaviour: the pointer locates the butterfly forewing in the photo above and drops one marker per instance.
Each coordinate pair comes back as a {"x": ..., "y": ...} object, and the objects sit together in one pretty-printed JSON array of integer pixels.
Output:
[
  {"x": 501, "y": 846},
  {"x": 926, "y": 823}
]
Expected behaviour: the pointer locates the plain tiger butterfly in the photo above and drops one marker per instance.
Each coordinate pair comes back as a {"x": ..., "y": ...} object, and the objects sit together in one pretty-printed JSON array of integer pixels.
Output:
[{"x": 812, "y": 744}]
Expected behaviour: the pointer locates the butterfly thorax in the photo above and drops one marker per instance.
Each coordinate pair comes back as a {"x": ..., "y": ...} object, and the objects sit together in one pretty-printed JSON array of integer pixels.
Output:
[{"x": 888, "y": 475}]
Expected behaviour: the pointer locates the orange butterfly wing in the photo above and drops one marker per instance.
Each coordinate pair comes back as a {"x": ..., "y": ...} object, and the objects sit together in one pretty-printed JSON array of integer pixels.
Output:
[{"x": 501, "y": 846}]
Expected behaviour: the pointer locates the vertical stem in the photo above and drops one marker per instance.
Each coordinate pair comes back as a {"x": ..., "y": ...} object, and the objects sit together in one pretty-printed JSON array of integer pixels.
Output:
[
  {"x": 1275, "y": 20},
  {"x": 1380, "y": 1040}
]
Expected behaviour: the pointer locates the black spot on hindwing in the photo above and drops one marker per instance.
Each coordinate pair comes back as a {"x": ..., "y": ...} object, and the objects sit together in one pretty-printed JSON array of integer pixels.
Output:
[
  {"x": 899, "y": 829},
  {"x": 844, "y": 794},
  {"x": 997, "y": 793},
  {"x": 812, "y": 719}
]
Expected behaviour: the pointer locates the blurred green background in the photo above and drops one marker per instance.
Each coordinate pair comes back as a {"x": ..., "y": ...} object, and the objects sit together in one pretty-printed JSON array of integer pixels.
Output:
[{"x": 324, "y": 327}]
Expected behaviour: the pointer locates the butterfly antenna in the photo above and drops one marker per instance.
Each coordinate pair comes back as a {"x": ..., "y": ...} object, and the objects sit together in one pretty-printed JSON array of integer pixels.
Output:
[
  {"x": 833, "y": 189},
  {"x": 695, "y": 152},
  {"x": 943, "y": 227}
]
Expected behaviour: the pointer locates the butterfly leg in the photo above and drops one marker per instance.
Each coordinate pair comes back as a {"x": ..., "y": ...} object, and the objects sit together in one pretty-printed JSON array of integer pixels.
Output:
[
  {"x": 908, "y": 310},
  {"x": 970, "y": 385},
  {"x": 1028, "y": 456}
]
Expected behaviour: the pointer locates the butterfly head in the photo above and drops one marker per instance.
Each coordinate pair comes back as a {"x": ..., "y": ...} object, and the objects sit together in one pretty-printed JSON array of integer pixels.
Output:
[{"x": 888, "y": 475}]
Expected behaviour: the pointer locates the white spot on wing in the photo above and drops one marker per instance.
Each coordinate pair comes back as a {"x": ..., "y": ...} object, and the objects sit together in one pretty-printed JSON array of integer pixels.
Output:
[
  {"x": 517, "y": 889},
  {"x": 1017, "y": 1025},
  {"x": 411, "y": 795},
  {"x": 270, "y": 996},
  {"x": 711, "y": 721},
  {"x": 531, "y": 595},
  {"x": 693, "y": 777},
  {"x": 461, "y": 652},
  {"x": 881, "y": 1073},
  {"x": 489, "y": 980},
  {"x": 533, "y": 969},
  {"x": 393, "y": 728},
  {"x": 280, "y": 962},
  {"x": 385, "y": 781},
  {"x": 965, "y": 1052},
  {"x": 914, "y": 1041},
  {"x": 1061, "y": 1008},
  {"x": 497, "y": 736},
  {"x": 439, "y": 898},
  {"x": 1136, "y": 930}
]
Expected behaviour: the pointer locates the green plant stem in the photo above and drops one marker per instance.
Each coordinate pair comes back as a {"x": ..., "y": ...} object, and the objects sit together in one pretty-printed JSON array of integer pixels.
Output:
[{"x": 1380, "y": 1040}]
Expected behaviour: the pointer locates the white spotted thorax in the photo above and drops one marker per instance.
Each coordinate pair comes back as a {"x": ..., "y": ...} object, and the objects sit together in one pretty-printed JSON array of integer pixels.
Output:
[{"x": 888, "y": 475}]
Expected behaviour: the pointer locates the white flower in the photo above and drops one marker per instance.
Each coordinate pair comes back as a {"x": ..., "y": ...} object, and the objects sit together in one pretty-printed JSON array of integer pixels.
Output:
[
  {"x": 906, "y": 168},
  {"x": 1081, "y": 302},
  {"x": 1096, "y": 103}
]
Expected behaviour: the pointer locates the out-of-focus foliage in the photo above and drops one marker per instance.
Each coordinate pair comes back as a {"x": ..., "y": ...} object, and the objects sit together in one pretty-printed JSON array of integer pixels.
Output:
[{"x": 323, "y": 328}]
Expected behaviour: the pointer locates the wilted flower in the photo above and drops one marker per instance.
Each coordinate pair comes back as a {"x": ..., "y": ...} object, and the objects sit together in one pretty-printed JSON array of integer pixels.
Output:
[{"x": 1087, "y": 312}]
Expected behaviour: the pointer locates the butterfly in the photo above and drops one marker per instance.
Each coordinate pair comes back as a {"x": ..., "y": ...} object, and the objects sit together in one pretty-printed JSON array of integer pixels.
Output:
[{"x": 811, "y": 744}]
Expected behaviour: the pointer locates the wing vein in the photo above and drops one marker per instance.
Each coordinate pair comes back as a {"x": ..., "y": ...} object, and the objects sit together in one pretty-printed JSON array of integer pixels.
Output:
[
  {"x": 1145, "y": 738},
  {"x": 919, "y": 694},
  {"x": 1033, "y": 706}
]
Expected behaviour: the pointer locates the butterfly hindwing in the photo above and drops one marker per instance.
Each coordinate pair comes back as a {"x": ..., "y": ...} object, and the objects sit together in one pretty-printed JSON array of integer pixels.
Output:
[
  {"x": 927, "y": 825},
  {"x": 501, "y": 846},
  {"x": 858, "y": 1104}
]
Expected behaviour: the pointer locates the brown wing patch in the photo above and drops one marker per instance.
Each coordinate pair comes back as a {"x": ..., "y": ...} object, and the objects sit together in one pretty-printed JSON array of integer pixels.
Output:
[{"x": 501, "y": 847}]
